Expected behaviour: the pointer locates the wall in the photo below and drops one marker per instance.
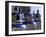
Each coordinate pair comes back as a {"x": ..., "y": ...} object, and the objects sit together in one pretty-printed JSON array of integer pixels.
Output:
[{"x": 2, "y": 18}]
